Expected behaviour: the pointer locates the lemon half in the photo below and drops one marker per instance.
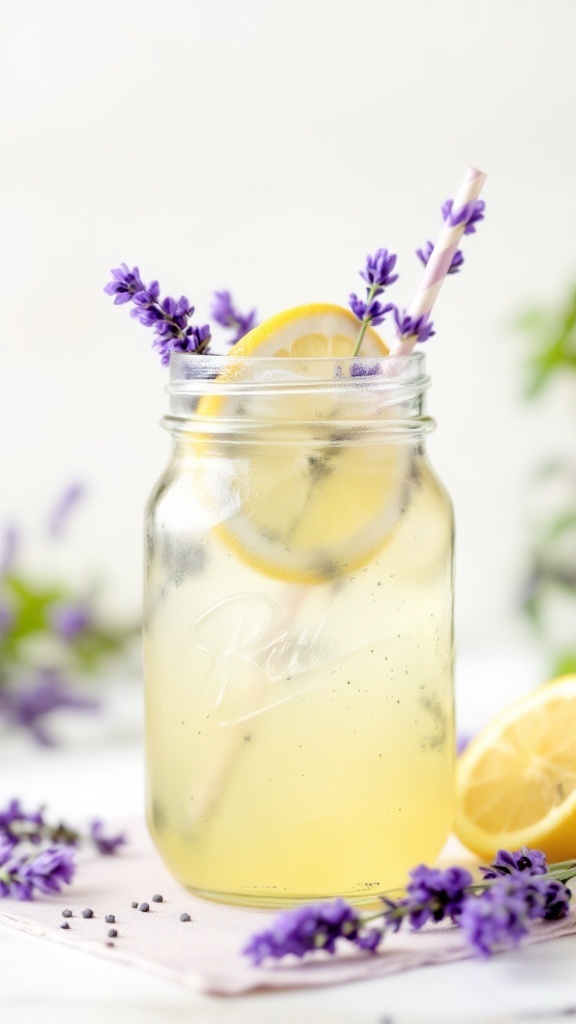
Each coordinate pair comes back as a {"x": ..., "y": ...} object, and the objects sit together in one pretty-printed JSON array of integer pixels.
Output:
[{"x": 517, "y": 779}]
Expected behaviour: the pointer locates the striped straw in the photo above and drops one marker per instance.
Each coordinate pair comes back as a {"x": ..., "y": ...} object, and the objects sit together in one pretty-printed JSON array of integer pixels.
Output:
[{"x": 441, "y": 257}]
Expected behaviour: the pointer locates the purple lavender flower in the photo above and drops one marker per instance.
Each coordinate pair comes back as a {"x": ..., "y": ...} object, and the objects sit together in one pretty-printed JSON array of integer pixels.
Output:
[
  {"x": 364, "y": 368},
  {"x": 70, "y": 620},
  {"x": 169, "y": 318},
  {"x": 499, "y": 917},
  {"x": 15, "y": 824},
  {"x": 496, "y": 918},
  {"x": 435, "y": 894},
  {"x": 471, "y": 214},
  {"x": 9, "y": 548},
  {"x": 372, "y": 312},
  {"x": 124, "y": 284},
  {"x": 533, "y": 862},
  {"x": 146, "y": 297},
  {"x": 105, "y": 844},
  {"x": 407, "y": 326},
  {"x": 317, "y": 926},
  {"x": 49, "y": 870},
  {"x": 225, "y": 313},
  {"x": 28, "y": 705},
  {"x": 11, "y": 881},
  {"x": 46, "y": 872},
  {"x": 462, "y": 741},
  {"x": 378, "y": 270},
  {"x": 556, "y": 899},
  {"x": 378, "y": 274},
  {"x": 59, "y": 515},
  {"x": 12, "y": 812},
  {"x": 425, "y": 253}
]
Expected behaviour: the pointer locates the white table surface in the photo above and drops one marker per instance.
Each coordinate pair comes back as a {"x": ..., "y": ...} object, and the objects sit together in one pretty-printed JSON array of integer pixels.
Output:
[{"x": 99, "y": 772}]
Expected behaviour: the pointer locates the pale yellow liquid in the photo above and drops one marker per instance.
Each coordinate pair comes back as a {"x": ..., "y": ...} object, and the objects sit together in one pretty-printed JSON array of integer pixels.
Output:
[{"x": 299, "y": 737}]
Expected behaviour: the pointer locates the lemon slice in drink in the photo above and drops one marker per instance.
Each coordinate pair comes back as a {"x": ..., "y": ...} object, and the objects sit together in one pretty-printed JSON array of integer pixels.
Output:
[
  {"x": 517, "y": 779},
  {"x": 319, "y": 505}
]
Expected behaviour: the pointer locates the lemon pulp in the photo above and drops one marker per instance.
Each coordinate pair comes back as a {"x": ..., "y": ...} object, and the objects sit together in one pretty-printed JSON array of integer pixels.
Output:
[{"x": 517, "y": 779}]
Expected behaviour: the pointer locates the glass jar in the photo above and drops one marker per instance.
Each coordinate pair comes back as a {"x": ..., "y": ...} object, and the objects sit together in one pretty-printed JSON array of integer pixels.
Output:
[{"x": 298, "y": 631}]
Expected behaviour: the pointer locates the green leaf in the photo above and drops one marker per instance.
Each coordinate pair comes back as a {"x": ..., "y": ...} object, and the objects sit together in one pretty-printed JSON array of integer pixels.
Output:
[
  {"x": 91, "y": 648},
  {"x": 531, "y": 607},
  {"x": 531, "y": 320},
  {"x": 553, "y": 344},
  {"x": 553, "y": 467},
  {"x": 563, "y": 523},
  {"x": 565, "y": 664}
]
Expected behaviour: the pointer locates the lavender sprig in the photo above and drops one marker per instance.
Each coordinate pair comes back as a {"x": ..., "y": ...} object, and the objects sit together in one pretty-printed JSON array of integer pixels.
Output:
[
  {"x": 36, "y": 856},
  {"x": 18, "y": 826},
  {"x": 425, "y": 253},
  {"x": 169, "y": 318},
  {"x": 378, "y": 273},
  {"x": 70, "y": 619},
  {"x": 47, "y": 616},
  {"x": 305, "y": 929},
  {"x": 505, "y": 863},
  {"x": 225, "y": 313},
  {"x": 105, "y": 844},
  {"x": 59, "y": 516},
  {"x": 493, "y": 914},
  {"x": 501, "y": 916},
  {"x": 471, "y": 214},
  {"x": 408, "y": 327},
  {"x": 21, "y": 875},
  {"x": 28, "y": 703}
]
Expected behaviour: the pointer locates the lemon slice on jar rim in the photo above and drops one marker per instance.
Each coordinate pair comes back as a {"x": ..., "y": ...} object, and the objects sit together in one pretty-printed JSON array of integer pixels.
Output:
[{"x": 320, "y": 505}]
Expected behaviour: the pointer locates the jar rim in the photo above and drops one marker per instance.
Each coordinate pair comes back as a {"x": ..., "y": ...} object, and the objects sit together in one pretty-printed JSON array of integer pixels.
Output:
[
  {"x": 278, "y": 397},
  {"x": 191, "y": 374}
]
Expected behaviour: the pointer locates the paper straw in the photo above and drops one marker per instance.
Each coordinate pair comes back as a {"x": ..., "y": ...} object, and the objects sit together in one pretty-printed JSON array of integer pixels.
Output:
[{"x": 441, "y": 257}]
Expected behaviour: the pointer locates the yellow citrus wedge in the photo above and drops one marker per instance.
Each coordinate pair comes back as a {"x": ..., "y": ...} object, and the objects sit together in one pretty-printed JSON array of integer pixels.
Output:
[
  {"x": 320, "y": 505},
  {"x": 313, "y": 331},
  {"x": 517, "y": 778}
]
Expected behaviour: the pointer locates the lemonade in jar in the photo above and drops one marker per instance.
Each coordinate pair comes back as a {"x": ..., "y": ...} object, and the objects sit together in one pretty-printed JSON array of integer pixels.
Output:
[
  {"x": 298, "y": 640},
  {"x": 298, "y": 629}
]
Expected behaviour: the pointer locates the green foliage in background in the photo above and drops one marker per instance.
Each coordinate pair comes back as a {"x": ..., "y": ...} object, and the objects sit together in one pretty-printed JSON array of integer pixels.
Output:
[
  {"x": 52, "y": 636},
  {"x": 550, "y": 588}
]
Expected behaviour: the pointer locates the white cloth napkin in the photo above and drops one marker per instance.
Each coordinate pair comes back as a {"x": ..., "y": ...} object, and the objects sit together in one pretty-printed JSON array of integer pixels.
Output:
[{"x": 205, "y": 953}]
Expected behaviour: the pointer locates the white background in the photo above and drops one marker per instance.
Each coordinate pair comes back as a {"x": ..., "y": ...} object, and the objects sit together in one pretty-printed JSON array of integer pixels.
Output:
[{"x": 267, "y": 147}]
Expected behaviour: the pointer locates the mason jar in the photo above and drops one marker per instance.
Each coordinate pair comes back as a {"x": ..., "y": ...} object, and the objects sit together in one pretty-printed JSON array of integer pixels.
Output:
[{"x": 298, "y": 630}]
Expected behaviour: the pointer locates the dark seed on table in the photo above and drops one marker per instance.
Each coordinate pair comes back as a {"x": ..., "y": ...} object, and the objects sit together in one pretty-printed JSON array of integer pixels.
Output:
[
  {"x": 110, "y": 919},
  {"x": 88, "y": 912},
  {"x": 66, "y": 913},
  {"x": 112, "y": 933},
  {"x": 134, "y": 905},
  {"x": 64, "y": 924},
  {"x": 144, "y": 907},
  {"x": 157, "y": 898},
  {"x": 184, "y": 917}
]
